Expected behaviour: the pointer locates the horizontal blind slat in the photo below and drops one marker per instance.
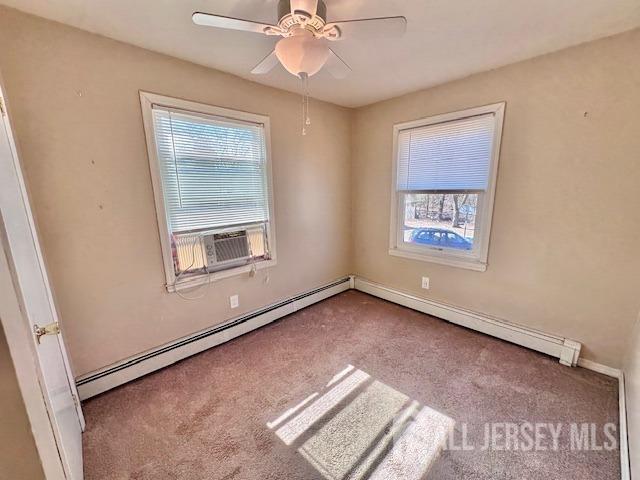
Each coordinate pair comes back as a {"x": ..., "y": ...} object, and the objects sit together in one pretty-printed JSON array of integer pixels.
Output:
[
  {"x": 213, "y": 171},
  {"x": 448, "y": 156}
]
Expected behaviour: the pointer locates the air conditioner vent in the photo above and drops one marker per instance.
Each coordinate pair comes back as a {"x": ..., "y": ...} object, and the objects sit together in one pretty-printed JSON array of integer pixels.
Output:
[{"x": 227, "y": 248}]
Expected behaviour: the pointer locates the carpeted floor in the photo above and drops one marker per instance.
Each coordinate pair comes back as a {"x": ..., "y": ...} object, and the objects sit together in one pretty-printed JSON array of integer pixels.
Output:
[{"x": 355, "y": 387}]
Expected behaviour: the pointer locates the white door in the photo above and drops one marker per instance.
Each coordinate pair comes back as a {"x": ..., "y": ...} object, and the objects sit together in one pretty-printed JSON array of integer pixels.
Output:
[{"x": 25, "y": 262}]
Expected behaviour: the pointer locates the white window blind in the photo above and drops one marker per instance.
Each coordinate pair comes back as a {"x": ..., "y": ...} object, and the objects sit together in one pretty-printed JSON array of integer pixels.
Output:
[
  {"x": 449, "y": 156},
  {"x": 213, "y": 170}
]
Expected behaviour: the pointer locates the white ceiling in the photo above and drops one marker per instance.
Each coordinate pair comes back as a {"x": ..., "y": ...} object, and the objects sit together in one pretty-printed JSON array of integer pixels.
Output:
[{"x": 445, "y": 39}]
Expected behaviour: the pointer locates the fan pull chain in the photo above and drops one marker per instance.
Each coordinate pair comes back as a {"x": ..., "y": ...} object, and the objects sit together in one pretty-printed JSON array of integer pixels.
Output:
[
  {"x": 306, "y": 88},
  {"x": 306, "y": 120}
]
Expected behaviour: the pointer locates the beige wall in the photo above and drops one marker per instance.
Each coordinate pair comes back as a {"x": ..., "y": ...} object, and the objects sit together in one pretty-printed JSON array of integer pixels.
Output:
[
  {"x": 18, "y": 455},
  {"x": 76, "y": 113},
  {"x": 566, "y": 221},
  {"x": 632, "y": 386}
]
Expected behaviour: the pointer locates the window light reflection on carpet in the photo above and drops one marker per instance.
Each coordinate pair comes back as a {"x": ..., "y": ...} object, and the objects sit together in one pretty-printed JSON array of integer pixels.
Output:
[{"x": 361, "y": 428}]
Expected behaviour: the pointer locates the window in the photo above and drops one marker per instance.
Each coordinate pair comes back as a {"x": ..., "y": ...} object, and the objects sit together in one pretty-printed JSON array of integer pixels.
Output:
[
  {"x": 210, "y": 171},
  {"x": 445, "y": 170}
]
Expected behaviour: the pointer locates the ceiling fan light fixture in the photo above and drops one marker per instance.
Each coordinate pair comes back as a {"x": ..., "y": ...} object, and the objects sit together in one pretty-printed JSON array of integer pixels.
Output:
[{"x": 302, "y": 53}]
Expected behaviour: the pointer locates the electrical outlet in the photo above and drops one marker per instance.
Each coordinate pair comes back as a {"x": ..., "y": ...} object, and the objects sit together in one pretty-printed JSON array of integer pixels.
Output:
[
  {"x": 233, "y": 301},
  {"x": 425, "y": 283}
]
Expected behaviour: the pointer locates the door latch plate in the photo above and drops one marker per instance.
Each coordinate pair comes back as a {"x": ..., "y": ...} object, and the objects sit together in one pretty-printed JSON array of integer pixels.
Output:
[{"x": 51, "y": 329}]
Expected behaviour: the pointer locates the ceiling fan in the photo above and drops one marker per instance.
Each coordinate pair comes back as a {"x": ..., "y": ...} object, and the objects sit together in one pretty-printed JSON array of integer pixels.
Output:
[{"x": 304, "y": 48}]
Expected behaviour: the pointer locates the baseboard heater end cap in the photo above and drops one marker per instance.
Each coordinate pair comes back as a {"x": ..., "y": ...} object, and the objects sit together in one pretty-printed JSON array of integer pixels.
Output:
[{"x": 570, "y": 352}]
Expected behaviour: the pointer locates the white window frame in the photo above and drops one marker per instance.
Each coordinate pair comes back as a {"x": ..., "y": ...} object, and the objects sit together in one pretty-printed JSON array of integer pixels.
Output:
[
  {"x": 147, "y": 101},
  {"x": 476, "y": 259}
]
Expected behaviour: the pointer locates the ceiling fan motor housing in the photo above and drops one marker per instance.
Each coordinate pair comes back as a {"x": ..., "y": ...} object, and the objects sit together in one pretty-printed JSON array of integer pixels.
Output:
[{"x": 288, "y": 22}]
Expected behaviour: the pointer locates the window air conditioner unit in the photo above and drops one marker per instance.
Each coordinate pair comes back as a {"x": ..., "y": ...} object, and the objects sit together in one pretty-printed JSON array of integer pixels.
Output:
[{"x": 226, "y": 249}]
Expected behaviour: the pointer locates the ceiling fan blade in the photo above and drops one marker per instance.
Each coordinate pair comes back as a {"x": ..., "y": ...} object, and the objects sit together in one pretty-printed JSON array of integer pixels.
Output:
[
  {"x": 384, "y": 27},
  {"x": 337, "y": 67},
  {"x": 266, "y": 65},
  {"x": 300, "y": 7},
  {"x": 230, "y": 23}
]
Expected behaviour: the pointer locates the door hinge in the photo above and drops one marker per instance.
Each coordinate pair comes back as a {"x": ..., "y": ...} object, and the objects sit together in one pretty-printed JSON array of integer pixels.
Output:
[
  {"x": 75, "y": 400},
  {"x": 51, "y": 329},
  {"x": 2, "y": 111}
]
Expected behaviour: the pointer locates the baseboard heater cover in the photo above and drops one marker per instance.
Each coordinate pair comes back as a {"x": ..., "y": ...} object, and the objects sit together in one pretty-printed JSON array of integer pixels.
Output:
[
  {"x": 568, "y": 351},
  {"x": 122, "y": 372},
  {"x": 94, "y": 383},
  {"x": 564, "y": 349}
]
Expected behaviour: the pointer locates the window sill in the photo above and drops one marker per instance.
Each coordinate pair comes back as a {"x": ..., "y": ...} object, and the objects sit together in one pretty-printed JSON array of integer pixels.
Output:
[
  {"x": 450, "y": 260},
  {"x": 214, "y": 277}
]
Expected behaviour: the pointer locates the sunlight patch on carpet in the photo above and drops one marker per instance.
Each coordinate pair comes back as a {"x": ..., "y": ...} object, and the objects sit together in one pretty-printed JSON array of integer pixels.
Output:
[{"x": 361, "y": 428}]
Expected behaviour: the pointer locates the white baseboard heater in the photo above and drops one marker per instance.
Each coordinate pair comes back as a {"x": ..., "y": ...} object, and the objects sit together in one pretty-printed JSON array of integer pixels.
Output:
[
  {"x": 564, "y": 349},
  {"x": 122, "y": 372},
  {"x": 568, "y": 351}
]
